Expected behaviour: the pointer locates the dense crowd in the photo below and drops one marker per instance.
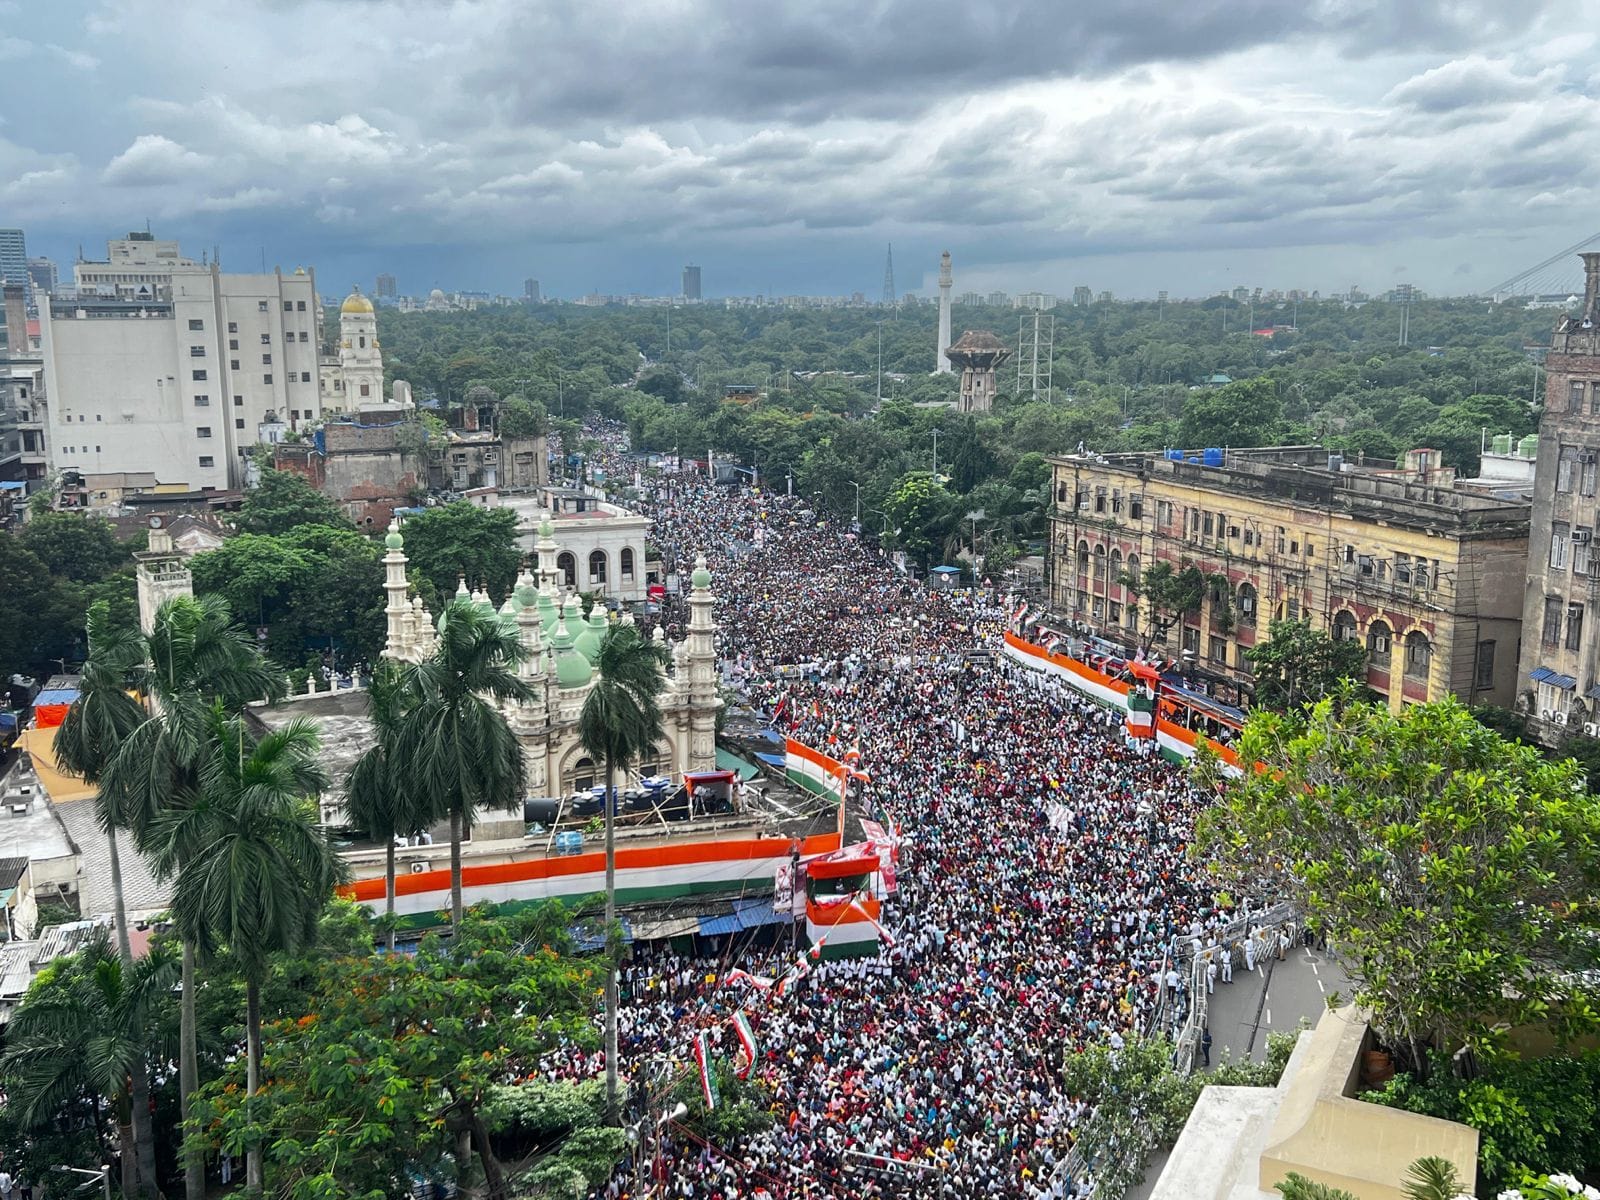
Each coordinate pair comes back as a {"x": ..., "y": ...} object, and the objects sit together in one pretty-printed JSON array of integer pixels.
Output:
[{"x": 1043, "y": 882}]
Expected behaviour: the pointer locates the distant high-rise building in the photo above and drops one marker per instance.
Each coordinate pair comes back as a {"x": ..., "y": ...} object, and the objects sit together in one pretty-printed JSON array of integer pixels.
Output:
[
  {"x": 386, "y": 288},
  {"x": 1241, "y": 294},
  {"x": 14, "y": 258},
  {"x": 530, "y": 290},
  {"x": 691, "y": 282},
  {"x": 43, "y": 273},
  {"x": 1105, "y": 296},
  {"x": 1082, "y": 296},
  {"x": 971, "y": 299},
  {"x": 998, "y": 300}
]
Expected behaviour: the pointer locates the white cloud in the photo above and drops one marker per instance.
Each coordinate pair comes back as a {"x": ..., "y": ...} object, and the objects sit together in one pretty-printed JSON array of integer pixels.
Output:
[{"x": 151, "y": 160}]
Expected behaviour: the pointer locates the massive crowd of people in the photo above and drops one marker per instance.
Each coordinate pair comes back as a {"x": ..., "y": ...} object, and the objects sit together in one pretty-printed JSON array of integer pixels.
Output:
[{"x": 1043, "y": 880}]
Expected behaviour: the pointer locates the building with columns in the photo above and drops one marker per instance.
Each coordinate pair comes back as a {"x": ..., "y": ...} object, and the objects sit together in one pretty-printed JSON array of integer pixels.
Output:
[{"x": 562, "y": 646}]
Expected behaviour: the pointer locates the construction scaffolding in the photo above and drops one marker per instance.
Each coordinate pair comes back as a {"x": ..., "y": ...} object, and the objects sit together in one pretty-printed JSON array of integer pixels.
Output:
[{"x": 1036, "y": 341}]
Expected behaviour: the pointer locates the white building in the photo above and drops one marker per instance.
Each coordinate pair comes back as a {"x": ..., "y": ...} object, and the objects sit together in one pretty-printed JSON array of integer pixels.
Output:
[
  {"x": 178, "y": 384},
  {"x": 602, "y": 544}
]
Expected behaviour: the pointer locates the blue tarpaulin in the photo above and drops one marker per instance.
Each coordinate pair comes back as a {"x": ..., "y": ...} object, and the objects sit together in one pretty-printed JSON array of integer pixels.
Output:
[
  {"x": 746, "y": 914},
  {"x": 588, "y": 940},
  {"x": 55, "y": 696},
  {"x": 773, "y": 760}
]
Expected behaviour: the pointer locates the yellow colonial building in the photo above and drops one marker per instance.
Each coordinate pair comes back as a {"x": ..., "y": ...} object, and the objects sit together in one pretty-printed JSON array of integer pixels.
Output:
[{"x": 1427, "y": 574}]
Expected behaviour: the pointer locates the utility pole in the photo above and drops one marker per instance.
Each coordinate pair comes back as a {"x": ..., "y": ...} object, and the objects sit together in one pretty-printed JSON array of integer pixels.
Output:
[
  {"x": 936, "y": 456},
  {"x": 857, "y": 487},
  {"x": 880, "y": 356}
]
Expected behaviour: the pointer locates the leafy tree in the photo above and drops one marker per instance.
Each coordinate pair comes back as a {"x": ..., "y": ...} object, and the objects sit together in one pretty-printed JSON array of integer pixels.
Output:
[
  {"x": 281, "y": 501},
  {"x": 1245, "y": 413},
  {"x": 1169, "y": 594},
  {"x": 460, "y": 540},
  {"x": 920, "y": 510},
  {"x": 522, "y": 418},
  {"x": 620, "y": 723},
  {"x": 26, "y": 584},
  {"x": 80, "y": 548},
  {"x": 394, "y": 1055},
  {"x": 1508, "y": 723},
  {"x": 1453, "y": 868},
  {"x": 1299, "y": 665},
  {"x": 254, "y": 573},
  {"x": 454, "y": 742},
  {"x": 88, "y": 1024},
  {"x": 1585, "y": 751},
  {"x": 253, "y": 869}
]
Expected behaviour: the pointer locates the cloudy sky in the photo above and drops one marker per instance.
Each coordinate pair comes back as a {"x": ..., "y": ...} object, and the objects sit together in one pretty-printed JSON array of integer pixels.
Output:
[{"x": 601, "y": 144}]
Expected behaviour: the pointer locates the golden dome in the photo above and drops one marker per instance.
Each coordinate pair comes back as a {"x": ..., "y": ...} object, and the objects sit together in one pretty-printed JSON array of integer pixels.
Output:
[{"x": 355, "y": 302}]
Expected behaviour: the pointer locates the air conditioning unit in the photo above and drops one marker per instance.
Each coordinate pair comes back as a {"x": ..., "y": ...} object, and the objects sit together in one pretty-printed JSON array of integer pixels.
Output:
[
  {"x": 1580, "y": 537},
  {"x": 1545, "y": 714},
  {"x": 1590, "y": 729},
  {"x": 1560, "y": 718},
  {"x": 419, "y": 868}
]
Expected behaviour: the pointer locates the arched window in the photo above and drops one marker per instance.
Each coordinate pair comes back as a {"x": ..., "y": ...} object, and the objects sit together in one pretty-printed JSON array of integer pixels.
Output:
[
  {"x": 1099, "y": 562},
  {"x": 597, "y": 566},
  {"x": 1247, "y": 601},
  {"x": 626, "y": 564},
  {"x": 1344, "y": 626},
  {"x": 583, "y": 775},
  {"x": 1378, "y": 639},
  {"x": 1116, "y": 565},
  {"x": 568, "y": 566},
  {"x": 1419, "y": 654},
  {"x": 1133, "y": 569},
  {"x": 1083, "y": 556}
]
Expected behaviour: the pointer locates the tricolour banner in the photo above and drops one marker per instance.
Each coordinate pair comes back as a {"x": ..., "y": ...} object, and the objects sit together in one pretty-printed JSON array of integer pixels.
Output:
[
  {"x": 708, "y": 1082},
  {"x": 747, "y": 1042},
  {"x": 813, "y": 770}
]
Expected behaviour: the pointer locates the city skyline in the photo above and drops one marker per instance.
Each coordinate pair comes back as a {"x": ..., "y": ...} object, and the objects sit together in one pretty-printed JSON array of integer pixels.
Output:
[{"x": 1228, "y": 144}]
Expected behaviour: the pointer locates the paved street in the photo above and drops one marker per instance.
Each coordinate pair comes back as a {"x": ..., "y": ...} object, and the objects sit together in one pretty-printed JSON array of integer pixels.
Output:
[{"x": 1273, "y": 998}]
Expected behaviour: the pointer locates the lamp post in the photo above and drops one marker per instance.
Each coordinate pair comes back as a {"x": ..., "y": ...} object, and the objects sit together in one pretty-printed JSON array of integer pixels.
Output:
[
  {"x": 857, "y": 487},
  {"x": 936, "y": 456}
]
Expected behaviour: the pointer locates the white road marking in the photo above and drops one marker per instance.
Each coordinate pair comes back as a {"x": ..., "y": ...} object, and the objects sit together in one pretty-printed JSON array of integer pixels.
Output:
[
  {"x": 1269, "y": 1016},
  {"x": 1314, "y": 970},
  {"x": 1320, "y": 988}
]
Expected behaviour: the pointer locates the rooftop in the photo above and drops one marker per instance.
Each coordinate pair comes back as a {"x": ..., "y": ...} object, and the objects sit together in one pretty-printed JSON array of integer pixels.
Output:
[{"x": 1423, "y": 495}]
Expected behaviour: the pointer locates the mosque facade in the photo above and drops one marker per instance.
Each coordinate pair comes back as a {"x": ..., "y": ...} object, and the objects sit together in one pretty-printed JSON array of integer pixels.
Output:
[{"x": 561, "y": 647}]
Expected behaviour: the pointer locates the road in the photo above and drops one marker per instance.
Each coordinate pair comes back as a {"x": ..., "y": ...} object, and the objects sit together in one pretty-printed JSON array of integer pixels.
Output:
[{"x": 1273, "y": 998}]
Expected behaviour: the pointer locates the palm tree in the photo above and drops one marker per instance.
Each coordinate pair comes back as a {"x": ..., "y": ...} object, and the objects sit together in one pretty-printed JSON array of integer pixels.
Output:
[
  {"x": 378, "y": 795},
  {"x": 197, "y": 656},
  {"x": 620, "y": 723},
  {"x": 1432, "y": 1178},
  {"x": 88, "y": 1026},
  {"x": 454, "y": 743},
  {"x": 253, "y": 868},
  {"x": 101, "y": 719}
]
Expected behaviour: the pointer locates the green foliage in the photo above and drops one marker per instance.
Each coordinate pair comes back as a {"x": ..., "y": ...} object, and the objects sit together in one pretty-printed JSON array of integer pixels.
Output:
[
  {"x": 71, "y": 546},
  {"x": 282, "y": 501},
  {"x": 744, "y": 1106},
  {"x": 1167, "y": 594},
  {"x": 1432, "y": 1178},
  {"x": 1585, "y": 751},
  {"x": 921, "y": 514},
  {"x": 1529, "y": 1113},
  {"x": 1296, "y": 1186},
  {"x": 1508, "y": 723},
  {"x": 1442, "y": 859},
  {"x": 455, "y": 540},
  {"x": 520, "y": 418},
  {"x": 388, "y": 1055},
  {"x": 1245, "y": 413},
  {"x": 1300, "y": 665}
]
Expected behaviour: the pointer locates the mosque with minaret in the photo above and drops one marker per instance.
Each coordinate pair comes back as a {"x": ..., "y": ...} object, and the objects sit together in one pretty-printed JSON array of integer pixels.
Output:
[{"x": 562, "y": 646}]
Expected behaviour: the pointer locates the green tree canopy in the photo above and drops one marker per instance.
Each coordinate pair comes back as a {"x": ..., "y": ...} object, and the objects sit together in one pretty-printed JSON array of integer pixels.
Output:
[
  {"x": 522, "y": 418},
  {"x": 921, "y": 512},
  {"x": 455, "y": 540},
  {"x": 1455, "y": 870},
  {"x": 1166, "y": 594},
  {"x": 80, "y": 548},
  {"x": 1298, "y": 664},
  {"x": 1245, "y": 413},
  {"x": 283, "y": 500}
]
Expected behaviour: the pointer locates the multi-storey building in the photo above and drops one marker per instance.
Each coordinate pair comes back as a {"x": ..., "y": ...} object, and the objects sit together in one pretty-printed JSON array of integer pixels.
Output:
[
  {"x": 178, "y": 382},
  {"x": 14, "y": 258},
  {"x": 1427, "y": 576},
  {"x": 1558, "y": 680}
]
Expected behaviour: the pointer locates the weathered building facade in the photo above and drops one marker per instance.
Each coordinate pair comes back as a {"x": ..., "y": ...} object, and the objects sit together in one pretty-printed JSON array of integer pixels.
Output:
[
  {"x": 1427, "y": 577},
  {"x": 1559, "y": 683}
]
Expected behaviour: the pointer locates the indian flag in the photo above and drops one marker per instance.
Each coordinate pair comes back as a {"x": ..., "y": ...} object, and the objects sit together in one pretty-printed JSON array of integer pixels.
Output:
[
  {"x": 1141, "y": 714},
  {"x": 747, "y": 1041},
  {"x": 708, "y": 1080},
  {"x": 813, "y": 770}
]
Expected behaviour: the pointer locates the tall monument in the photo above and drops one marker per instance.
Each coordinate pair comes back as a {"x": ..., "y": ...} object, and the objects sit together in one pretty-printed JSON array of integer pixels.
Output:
[
  {"x": 360, "y": 358},
  {"x": 161, "y": 574},
  {"x": 945, "y": 283}
]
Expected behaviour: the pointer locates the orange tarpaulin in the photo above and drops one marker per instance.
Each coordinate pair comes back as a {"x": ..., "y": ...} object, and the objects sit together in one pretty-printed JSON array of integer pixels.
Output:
[
  {"x": 41, "y": 747},
  {"x": 48, "y": 716}
]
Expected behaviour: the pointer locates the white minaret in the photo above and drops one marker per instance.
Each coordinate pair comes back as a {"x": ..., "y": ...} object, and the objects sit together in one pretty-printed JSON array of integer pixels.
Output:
[
  {"x": 360, "y": 359},
  {"x": 945, "y": 283},
  {"x": 700, "y": 657},
  {"x": 395, "y": 586}
]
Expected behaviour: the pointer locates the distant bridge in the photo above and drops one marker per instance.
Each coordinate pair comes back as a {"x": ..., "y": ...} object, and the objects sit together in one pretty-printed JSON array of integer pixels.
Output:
[{"x": 1560, "y": 275}]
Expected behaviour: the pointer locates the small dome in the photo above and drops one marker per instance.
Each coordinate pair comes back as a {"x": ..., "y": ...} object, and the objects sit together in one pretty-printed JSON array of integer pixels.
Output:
[
  {"x": 546, "y": 529},
  {"x": 436, "y": 294},
  {"x": 701, "y": 577},
  {"x": 593, "y": 633},
  {"x": 392, "y": 539},
  {"x": 572, "y": 668},
  {"x": 356, "y": 303}
]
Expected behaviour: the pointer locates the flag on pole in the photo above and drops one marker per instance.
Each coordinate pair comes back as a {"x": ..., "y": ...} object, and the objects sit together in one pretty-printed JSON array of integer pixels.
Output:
[
  {"x": 759, "y": 982},
  {"x": 816, "y": 708},
  {"x": 747, "y": 1041},
  {"x": 1141, "y": 714},
  {"x": 708, "y": 1083}
]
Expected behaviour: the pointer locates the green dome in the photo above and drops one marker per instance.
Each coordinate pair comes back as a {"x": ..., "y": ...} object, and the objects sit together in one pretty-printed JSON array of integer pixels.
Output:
[
  {"x": 393, "y": 540},
  {"x": 546, "y": 528},
  {"x": 701, "y": 577},
  {"x": 548, "y": 613},
  {"x": 572, "y": 668},
  {"x": 526, "y": 594},
  {"x": 593, "y": 633}
]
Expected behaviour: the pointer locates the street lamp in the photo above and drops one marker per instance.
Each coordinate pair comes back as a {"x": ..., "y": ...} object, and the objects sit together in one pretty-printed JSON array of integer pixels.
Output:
[
  {"x": 103, "y": 1175},
  {"x": 857, "y": 487}
]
